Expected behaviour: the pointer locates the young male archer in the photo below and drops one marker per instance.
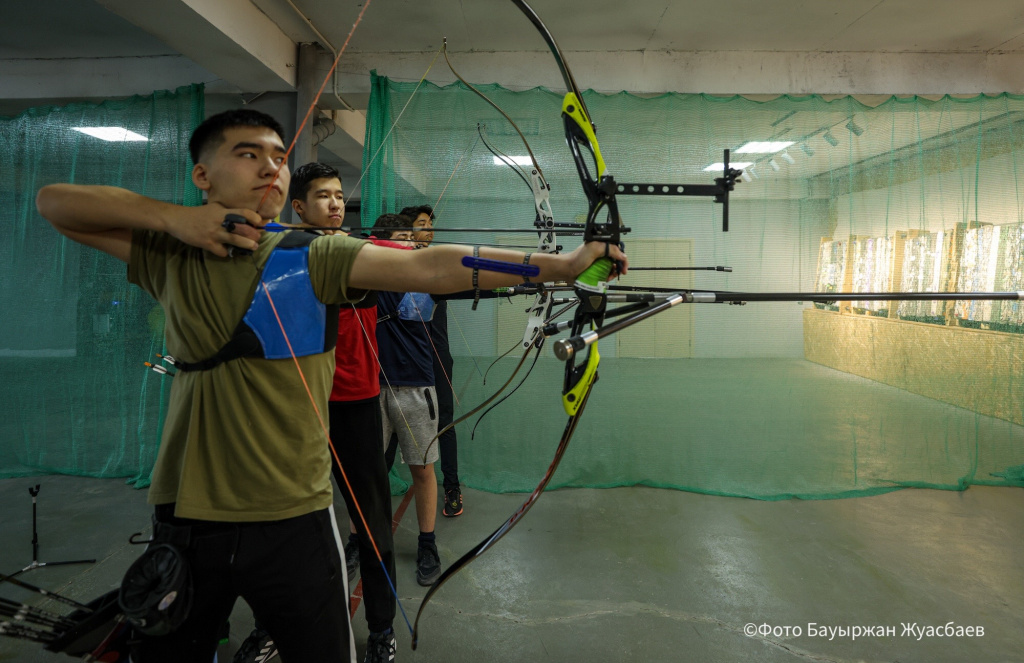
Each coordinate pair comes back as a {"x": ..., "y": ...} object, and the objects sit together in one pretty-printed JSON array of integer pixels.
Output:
[{"x": 243, "y": 469}]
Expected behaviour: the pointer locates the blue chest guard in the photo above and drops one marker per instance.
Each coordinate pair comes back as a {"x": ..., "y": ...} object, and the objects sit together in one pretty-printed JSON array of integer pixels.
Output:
[
  {"x": 311, "y": 325},
  {"x": 303, "y": 316}
]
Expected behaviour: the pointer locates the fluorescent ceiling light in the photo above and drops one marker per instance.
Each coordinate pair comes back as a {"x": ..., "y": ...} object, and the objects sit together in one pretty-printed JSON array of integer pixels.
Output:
[
  {"x": 764, "y": 146},
  {"x": 739, "y": 165},
  {"x": 519, "y": 161},
  {"x": 111, "y": 134}
]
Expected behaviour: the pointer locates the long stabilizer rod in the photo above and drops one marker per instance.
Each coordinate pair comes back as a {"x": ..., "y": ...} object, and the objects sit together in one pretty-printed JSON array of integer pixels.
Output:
[{"x": 566, "y": 348}]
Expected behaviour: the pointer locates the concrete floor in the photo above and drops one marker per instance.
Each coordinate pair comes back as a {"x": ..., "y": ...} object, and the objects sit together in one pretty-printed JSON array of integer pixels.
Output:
[{"x": 633, "y": 573}]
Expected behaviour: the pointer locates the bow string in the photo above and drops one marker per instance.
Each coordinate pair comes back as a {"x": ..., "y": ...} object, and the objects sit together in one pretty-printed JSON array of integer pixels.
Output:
[
  {"x": 544, "y": 222},
  {"x": 590, "y": 288}
]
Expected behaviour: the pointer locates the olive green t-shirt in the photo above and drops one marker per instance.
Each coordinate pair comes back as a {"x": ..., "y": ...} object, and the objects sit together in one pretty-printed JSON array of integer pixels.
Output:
[{"x": 241, "y": 441}]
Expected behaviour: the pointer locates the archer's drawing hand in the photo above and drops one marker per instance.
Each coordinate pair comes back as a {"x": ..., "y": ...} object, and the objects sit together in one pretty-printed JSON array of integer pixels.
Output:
[
  {"x": 205, "y": 228},
  {"x": 104, "y": 217}
]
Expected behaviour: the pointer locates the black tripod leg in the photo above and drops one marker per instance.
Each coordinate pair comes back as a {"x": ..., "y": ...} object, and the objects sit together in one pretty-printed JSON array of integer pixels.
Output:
[
  {"x": 36, "y": 564},
  {"x": 35, "y": 534}
]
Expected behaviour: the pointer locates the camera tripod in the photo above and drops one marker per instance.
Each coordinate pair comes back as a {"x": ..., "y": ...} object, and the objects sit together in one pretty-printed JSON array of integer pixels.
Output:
[{"x": 36, "y": 564}]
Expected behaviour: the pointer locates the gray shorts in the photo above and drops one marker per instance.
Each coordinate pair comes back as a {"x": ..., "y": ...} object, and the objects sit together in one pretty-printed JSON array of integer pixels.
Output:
[{"x": 411, "y": 413}]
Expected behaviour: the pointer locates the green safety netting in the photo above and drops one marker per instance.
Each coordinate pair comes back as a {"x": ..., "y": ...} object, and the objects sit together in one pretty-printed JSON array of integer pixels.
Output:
[
  {"x": 767, "y": 400},
  {"x": 75, "y": 396}
]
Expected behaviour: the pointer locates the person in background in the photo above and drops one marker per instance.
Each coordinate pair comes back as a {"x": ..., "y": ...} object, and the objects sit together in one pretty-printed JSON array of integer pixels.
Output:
[
  {"x": 409, "y": 400},
  {"x": 423, "y": 217},
  {"x": 317, "y": 198}
]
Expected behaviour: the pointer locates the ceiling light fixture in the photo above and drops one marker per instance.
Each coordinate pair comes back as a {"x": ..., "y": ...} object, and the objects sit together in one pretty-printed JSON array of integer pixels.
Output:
[
  {"x": 517, "y": 160},
  {"x": 763, "y": 146},
  {"x": 740, "y": 165},
  {"x": 854, "y": 128},
  {"x": 111, "y": 134},
  {"x": 830, "y": 139}
]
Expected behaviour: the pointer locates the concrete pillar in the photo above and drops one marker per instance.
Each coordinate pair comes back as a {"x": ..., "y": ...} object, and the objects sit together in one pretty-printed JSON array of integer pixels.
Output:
[{"x": 308, "y": 83}]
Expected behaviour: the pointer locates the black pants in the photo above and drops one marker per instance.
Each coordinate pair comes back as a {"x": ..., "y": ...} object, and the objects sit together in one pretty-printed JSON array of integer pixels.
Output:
[
  {"x": 447, "y": 444},
  {"x": 357, "y": 432},
  {"x": 290, "y": 572}
]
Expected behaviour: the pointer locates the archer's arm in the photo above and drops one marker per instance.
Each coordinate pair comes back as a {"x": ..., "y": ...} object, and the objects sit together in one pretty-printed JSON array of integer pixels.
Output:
[
  {"x": 439, "y": 269},
  {"x": 103, "y": 217}
]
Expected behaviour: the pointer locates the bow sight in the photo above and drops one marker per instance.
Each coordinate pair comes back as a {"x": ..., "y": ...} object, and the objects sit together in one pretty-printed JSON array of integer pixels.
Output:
[{"x": 719, "y": 190}]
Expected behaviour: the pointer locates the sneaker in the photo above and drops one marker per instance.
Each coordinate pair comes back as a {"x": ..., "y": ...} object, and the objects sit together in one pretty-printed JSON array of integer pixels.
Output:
[
  {"x": 380, "y": 647},
  {"x": 452, "y": 503},
  {"x": 428, "y": 564},
  {"x": 352, "y": 560},
  {"x": 257, "y": 648}
]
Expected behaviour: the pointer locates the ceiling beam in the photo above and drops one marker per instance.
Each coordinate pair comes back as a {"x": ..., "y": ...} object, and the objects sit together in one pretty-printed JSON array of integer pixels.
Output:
[
  {"x": 710, "y": 72},
  {"x": 230, "y": 38},
  {"x": 100, "y": 78}
]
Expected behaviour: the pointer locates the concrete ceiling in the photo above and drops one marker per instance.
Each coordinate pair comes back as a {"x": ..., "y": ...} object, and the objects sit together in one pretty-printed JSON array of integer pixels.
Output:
[{"x": 54, "y": 51}]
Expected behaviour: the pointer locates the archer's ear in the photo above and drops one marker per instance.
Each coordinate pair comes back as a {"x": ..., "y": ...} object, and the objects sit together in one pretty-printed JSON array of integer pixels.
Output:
[
  {"x": 297, "y": 206},
  {"x": 200, "y": 177}
]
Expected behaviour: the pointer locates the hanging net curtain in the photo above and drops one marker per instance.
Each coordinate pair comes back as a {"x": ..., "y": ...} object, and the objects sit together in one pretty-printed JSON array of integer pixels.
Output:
[
  {"x": 75, "y": 396},
  {"x": 767, "y": 400}
]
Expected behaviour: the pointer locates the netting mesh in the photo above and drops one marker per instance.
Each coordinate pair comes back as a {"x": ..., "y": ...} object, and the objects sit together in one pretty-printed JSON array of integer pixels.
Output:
[
  {"x": 768, "y": 400},
  {"x": 75, "y": 397}
]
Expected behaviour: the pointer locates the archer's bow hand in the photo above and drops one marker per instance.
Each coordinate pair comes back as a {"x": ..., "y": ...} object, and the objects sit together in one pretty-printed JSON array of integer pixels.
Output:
[{"x": 591, "y": 252}]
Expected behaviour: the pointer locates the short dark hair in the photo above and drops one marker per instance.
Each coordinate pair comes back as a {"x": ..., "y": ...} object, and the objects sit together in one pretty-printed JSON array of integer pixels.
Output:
[
  {"x": 304, "y": 176},
  {"x": 390, "y": 222},
  {"x": 413, "y": 212},
  {"x": 210, "y": 133}
]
